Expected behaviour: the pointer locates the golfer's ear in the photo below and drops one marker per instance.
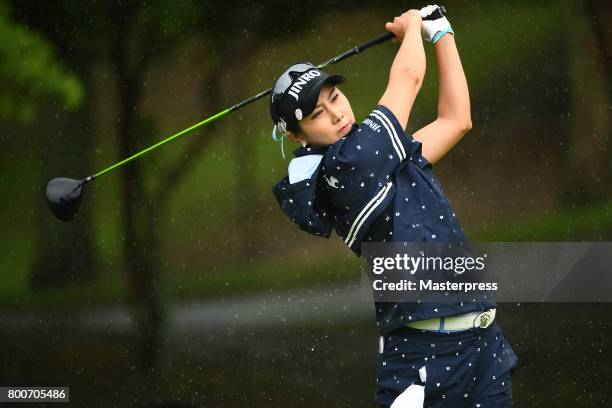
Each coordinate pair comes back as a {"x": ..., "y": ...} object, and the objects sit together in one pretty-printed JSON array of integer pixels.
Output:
[{"x": 292, "y": 136}]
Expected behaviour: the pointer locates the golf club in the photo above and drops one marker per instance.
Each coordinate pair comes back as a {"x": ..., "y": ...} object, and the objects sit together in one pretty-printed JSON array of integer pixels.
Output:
[{"x": 64, "y": 195}]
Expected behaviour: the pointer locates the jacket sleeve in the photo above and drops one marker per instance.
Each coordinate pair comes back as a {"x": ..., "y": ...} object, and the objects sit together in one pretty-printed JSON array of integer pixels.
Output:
[{"x": 305, "y": 205}]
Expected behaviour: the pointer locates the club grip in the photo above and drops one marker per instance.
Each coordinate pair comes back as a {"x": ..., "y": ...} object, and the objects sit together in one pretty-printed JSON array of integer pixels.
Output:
[
  {"x": 439, "y": 13},
  {"x": 377, "y": 40}
]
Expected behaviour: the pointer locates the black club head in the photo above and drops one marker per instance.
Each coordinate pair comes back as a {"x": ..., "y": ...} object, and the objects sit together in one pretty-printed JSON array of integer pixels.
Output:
[{"x": 64, "y": 197}]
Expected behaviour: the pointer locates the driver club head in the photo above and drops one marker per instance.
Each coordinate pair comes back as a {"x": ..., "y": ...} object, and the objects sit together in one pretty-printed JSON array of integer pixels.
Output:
[{"x": 64, "y": 197}]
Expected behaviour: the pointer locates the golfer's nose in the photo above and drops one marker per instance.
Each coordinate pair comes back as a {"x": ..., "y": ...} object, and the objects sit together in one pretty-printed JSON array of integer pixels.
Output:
[{"x": 335, "y": 114}]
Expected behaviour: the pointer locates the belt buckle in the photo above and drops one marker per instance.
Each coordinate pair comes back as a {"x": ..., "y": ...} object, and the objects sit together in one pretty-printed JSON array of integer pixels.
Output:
[{"x": 484, "y": 319}]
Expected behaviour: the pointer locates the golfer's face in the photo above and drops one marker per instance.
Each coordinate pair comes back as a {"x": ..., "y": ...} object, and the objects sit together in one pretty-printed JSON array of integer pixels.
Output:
[{"x": 331, "y": 119}]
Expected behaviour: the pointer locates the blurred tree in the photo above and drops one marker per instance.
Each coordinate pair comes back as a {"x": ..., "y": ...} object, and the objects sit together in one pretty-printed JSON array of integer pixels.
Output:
[
  {"x": 598, "y": 14},
  {"x": 31, "y": 68},
  {"x": 132, "y": 36},
  {"x": 589, "y": 168},
  {"x": 29, "y": 71},
  {"x": 143, "y": 33}
]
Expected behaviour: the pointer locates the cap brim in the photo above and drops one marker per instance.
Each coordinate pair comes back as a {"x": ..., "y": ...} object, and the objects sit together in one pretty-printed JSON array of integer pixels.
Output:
[{"x": 312, "y": 96}]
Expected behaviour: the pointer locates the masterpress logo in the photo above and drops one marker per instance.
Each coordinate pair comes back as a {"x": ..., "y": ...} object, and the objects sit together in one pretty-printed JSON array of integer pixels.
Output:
[{"x": 509, "y": 272}]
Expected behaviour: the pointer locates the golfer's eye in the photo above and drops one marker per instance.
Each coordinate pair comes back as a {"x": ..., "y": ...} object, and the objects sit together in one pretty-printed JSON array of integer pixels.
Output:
[
  {"x": 334, "y": 98},
  {"x": 315, "y": 115}
]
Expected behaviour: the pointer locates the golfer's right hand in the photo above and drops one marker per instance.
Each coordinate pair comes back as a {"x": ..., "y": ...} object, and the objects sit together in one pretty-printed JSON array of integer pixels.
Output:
[
  {"x": 400, "y": 24},
  {"x": 432, "y": 30}
]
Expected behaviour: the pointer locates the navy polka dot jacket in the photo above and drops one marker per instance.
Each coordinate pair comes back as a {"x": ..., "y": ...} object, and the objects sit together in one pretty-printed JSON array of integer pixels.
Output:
[{"x": 373, "y": 185}]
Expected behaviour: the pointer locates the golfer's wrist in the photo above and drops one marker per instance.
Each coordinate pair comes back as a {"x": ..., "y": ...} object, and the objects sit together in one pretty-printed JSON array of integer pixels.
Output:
[
  {"x": 414, "y": 17},
  {"x": 443, "y": 37},
  {"x": 442, "y": 34},
  {"x": 413, "y": 24}
]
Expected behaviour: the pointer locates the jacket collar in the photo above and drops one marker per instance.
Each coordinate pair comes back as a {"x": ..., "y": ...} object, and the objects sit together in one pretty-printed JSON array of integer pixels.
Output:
[{"x": 308, "y": 149}]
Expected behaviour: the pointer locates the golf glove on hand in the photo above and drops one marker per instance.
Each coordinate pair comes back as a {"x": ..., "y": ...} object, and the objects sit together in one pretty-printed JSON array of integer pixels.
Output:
[{"x": 433, "y": 30}]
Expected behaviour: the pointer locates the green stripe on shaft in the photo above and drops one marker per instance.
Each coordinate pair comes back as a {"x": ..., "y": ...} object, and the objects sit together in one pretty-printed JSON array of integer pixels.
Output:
[{"x": 168, "y": 140}]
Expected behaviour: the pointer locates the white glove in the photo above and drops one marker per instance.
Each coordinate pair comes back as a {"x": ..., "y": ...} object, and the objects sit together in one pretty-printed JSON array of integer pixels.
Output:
[{"x": 433, "y": 30}]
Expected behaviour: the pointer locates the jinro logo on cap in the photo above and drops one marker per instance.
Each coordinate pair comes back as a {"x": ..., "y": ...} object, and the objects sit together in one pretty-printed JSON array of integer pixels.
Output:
[{"x": 297, "y": 86}]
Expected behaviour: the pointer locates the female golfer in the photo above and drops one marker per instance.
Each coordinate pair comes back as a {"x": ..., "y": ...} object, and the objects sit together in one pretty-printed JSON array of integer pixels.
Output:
[{"x": 372, "y": 182}]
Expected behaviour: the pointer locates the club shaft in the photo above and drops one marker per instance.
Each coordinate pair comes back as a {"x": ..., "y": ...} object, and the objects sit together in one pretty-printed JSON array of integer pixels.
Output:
[
  {"x": 349, "y": 53},
  {"x": 163, "y": 142}
]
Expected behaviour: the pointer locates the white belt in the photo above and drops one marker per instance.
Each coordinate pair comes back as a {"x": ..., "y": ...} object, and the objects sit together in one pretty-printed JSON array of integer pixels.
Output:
[{"x": 455, "y": 323}]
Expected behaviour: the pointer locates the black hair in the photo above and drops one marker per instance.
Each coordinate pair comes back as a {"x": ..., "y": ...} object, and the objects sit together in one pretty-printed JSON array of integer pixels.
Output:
[{"x": 294, "y": 127}]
